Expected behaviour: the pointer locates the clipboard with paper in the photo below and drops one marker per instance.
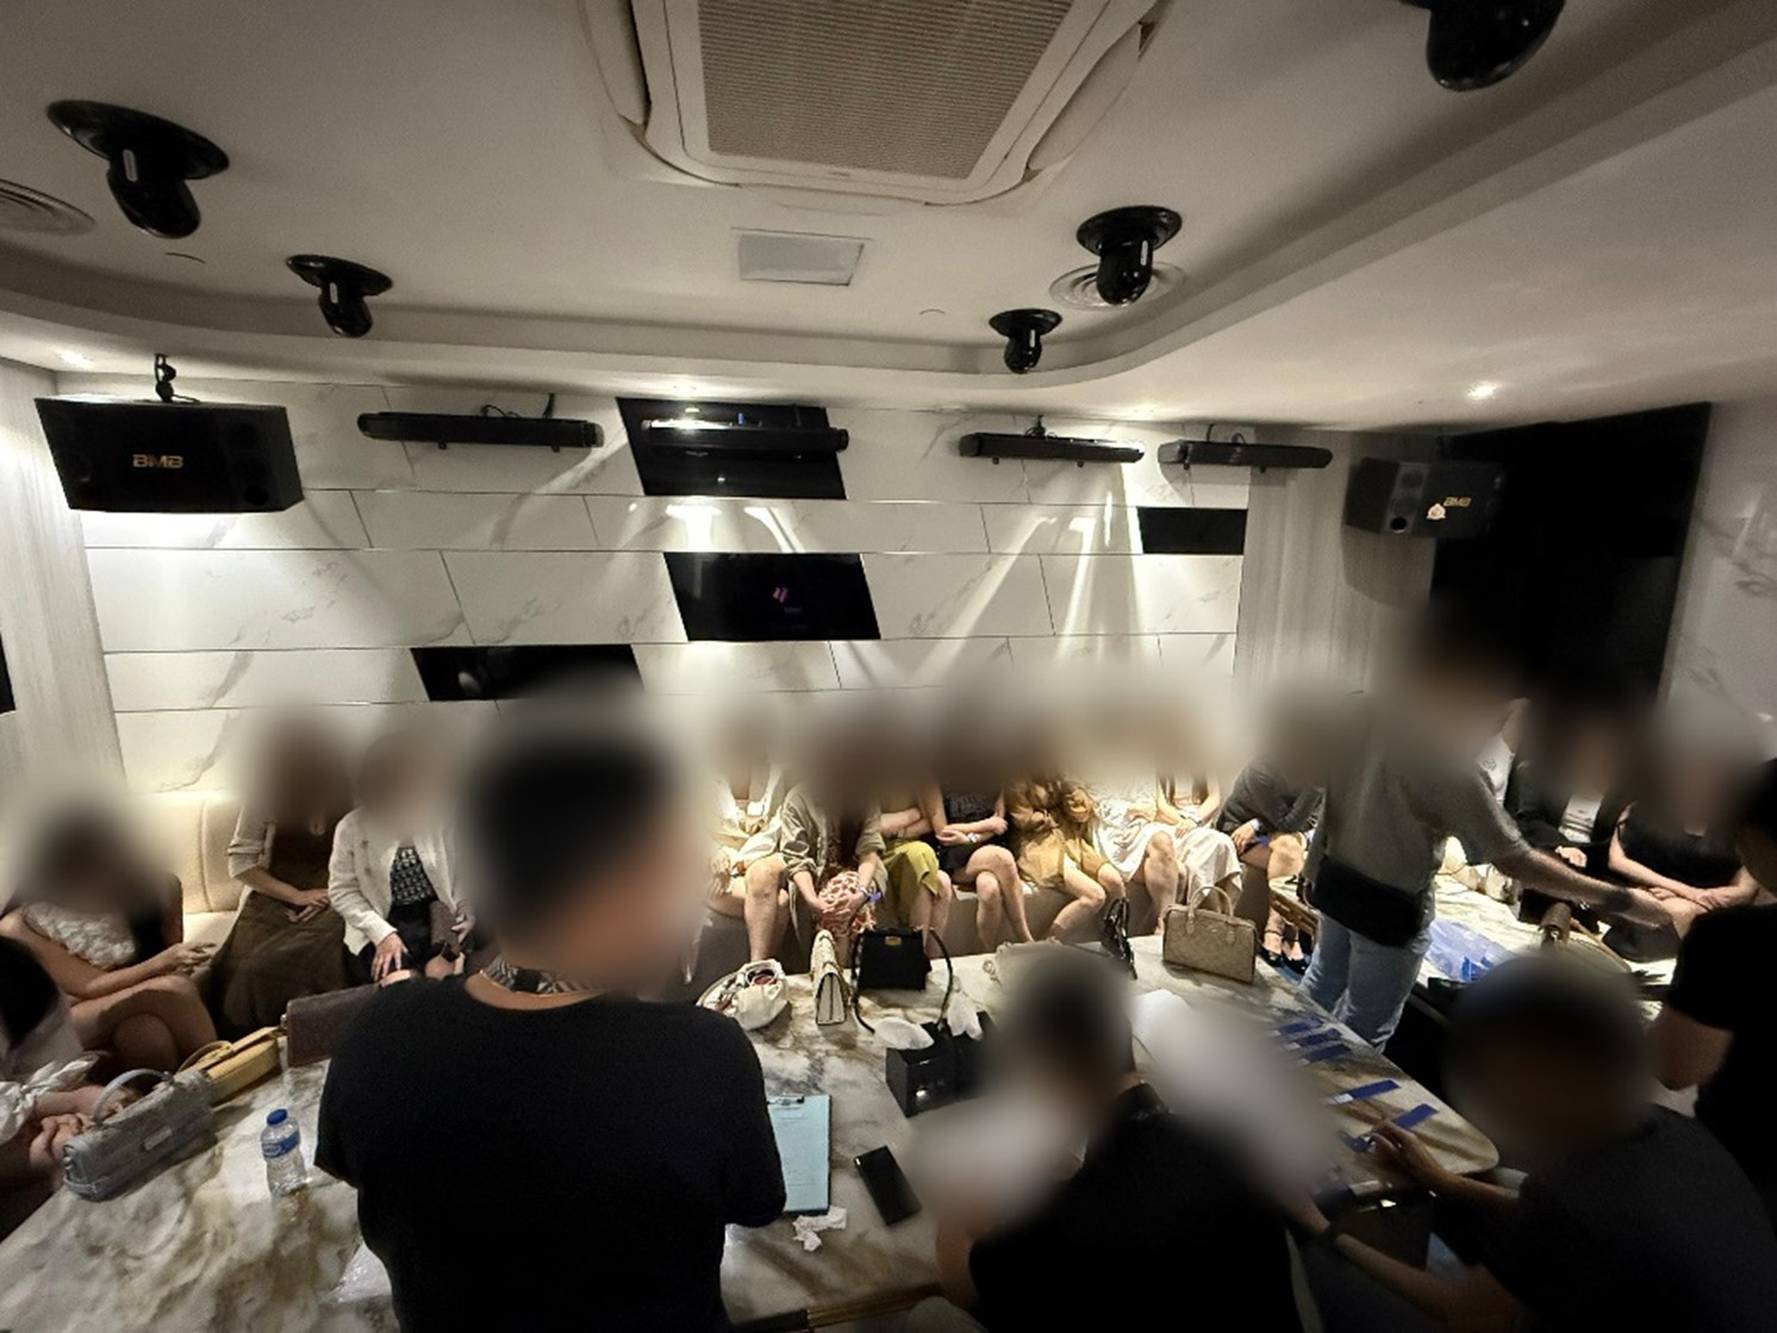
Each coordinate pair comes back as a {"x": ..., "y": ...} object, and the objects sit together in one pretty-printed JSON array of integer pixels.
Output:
[{"x": 801, "y": 1126}]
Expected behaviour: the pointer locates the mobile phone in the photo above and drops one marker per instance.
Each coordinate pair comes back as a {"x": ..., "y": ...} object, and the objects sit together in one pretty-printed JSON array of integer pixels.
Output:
[{"x": 889, "y": 1190}]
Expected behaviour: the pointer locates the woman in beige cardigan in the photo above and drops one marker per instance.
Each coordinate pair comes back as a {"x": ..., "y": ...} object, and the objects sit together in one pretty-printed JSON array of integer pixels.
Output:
[{"x": 392, "y": 878}]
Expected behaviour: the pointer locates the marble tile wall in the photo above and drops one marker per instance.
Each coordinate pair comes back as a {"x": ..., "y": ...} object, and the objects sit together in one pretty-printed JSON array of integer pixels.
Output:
[
  {"x": 1721, "y": 667},
  {"x": 974, "y": 568}
]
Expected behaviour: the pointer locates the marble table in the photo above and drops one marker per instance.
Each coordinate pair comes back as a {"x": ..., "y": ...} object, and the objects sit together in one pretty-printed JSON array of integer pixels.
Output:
[{"x": 203, "y": 1246}]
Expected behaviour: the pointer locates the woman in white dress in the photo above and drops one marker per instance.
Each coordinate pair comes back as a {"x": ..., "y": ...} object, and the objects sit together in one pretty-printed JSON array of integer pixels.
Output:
[
  {"x": 107, "y": 928},
  {"x": 1160, "y": 835}
]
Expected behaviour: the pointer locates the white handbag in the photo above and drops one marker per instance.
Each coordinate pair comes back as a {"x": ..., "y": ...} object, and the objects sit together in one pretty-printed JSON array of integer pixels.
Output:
[
  {"x": 829, "y": 982},
  {"x": 752, "y": 995}
]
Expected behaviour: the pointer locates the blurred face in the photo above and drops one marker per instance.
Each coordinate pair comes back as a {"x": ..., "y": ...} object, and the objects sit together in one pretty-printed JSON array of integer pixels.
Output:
[
  {"x": 631, "y": 924},
  {"x": 401, "y": 777}
]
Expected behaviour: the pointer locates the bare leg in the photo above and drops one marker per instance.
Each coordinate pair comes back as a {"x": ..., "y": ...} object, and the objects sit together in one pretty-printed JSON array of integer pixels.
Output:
[
  {"x": 765, "y": 907},
  {"x": 929, "y": 913},
  {"x": 1289, "y": 852},
  {"x": 990, "y": 911},
  {"x": 1089, "y": 898},
  {"x": 999, "y": 862},
  {"x": 1159, "y": 874},
  {"x": 142, "y": 1041},
  {"x": 172, "y": 1001}
]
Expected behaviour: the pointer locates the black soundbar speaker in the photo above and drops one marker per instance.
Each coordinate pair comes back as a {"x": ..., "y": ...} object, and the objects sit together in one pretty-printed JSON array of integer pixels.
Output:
[
  {"x": 171, "y": 458},
  {"x": 1437, "y": 499},
  {"x": 1219, "y": 454}
]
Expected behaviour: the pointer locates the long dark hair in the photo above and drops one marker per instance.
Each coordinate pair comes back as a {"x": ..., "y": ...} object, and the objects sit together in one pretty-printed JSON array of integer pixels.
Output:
[
  {"x": 27, "y": 995},
  {"x": 84, "y": 839}
]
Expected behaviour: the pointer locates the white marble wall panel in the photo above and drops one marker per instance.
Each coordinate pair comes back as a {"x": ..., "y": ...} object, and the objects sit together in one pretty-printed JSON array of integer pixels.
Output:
[
  {"x": 957, "y": 596},
  {"x": 160, "y": 681},
  {"x": 735, "y": 668},
  {"x": 320, "y": 521},
  {"x": 1210, "y": 654},
  {"x": 331, "y": 452},
  {"x": 182, "y": 600},
  {"x": 1073, "y": 651},
  {"x": 177, "y": 751},
  {"x": 606, "y": 470},
  {"x": 470, "y": 521},
  {"x": 592, "y": 597},
  {"x": 1061, "y": 529},
  {"x": 912, "y": 456},
  {"x": 1145, "y": 594},
  {"x": 914, "y": 663},
  {"x": 1722, "y": 663},
  {"x": 702, "y": 523}
]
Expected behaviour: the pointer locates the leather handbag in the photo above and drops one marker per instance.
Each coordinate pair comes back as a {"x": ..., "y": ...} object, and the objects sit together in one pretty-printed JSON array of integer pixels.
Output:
[
  {"x": 234, "y": 1066},
  {"x": 829, "y": 983},
  {"x": 891, "y": 959},
  {"x": 314, "y": 1025},
  {"x": 120, "y": 1150},
  {"x": 1207, "y": 940}
]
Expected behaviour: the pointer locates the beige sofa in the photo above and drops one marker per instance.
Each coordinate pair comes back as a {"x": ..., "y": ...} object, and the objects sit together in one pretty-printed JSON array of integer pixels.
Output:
[{"x": 190, "y": 832}]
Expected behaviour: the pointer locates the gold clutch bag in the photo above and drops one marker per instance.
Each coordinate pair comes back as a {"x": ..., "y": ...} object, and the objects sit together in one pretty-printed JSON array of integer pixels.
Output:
[
  {"x": 1207, "y": 940},
  {"x": 234, "y": 1066}
]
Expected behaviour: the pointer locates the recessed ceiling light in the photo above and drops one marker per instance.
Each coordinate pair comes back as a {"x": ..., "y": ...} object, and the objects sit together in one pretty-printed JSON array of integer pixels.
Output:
[
  {"x": 79, "y": 360},
  {"x": 1483, "y": 391}
]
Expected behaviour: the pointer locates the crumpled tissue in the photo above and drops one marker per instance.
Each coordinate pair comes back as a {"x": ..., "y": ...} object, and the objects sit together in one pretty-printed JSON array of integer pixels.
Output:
[
  {"x": 807, "y": 1228},
  {"x": 899, "y": 1035}
]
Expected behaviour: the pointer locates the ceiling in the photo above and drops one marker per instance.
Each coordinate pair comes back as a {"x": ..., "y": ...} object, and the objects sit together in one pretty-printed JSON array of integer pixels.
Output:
[{"x": 1360, "y": 247}]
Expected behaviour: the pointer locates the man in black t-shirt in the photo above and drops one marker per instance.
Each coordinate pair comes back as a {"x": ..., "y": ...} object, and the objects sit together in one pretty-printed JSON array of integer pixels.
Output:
[
  {"x": 1632, "y": 1217},
  {"x": 1151, "y": 1198},
  {"x": 1718, "y": 1030},
  {"x": 533, "y": 1147}
]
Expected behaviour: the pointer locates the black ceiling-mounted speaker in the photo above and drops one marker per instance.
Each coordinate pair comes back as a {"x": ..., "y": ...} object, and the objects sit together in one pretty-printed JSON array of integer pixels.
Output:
[
  {"x": 171, "y": 458},
  {"x": 447, "y": 428},
  {"x": 1218, "y": 453},
  {"x": 1474, "y": 44},
  {"x": 345, "y": 290},
  {"x": 1436, "y": 499},
  {"x": 1039, "y": 444},
  {"x": 150, "y": 160}
]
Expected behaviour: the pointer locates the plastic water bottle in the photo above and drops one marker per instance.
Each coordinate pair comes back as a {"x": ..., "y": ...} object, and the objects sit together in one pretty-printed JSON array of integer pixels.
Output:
[{"x": 280, "y": 1143}]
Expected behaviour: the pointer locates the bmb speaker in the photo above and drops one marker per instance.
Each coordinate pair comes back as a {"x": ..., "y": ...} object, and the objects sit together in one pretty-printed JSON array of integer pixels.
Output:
[
  {"x": 1439, "y": 499},
  {"x": 171, "y": 458}
]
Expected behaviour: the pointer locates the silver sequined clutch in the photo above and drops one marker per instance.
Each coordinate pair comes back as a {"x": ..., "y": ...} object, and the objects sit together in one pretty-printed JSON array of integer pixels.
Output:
[{"x": 129, "y": 1146}]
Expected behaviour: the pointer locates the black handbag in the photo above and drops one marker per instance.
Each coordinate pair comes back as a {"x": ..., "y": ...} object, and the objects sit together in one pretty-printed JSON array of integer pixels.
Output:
[
  {"x": 1113, "y": 934},
  {"x": 890, "y": 959}
]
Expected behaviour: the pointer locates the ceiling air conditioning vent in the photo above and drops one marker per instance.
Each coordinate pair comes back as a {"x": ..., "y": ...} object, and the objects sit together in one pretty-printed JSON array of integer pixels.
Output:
[{"x": 936, "y": 101}]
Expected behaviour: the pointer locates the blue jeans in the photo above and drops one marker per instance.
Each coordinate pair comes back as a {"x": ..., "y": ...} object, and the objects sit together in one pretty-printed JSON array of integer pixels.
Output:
[{"x": 1361, "y": 983}]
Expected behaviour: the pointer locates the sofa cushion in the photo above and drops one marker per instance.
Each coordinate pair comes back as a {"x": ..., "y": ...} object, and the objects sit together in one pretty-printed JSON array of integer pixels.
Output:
[
  {"x": 208, "y": 927},
  {"x": 191, "y": 831}
]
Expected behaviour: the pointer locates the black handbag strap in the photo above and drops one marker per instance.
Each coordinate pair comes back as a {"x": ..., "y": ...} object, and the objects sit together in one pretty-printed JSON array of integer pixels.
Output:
[{"x": 857, "y": 995}]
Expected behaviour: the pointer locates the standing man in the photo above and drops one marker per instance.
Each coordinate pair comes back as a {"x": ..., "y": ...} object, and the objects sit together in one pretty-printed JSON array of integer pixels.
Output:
[{"x": 1400, "y": 777}]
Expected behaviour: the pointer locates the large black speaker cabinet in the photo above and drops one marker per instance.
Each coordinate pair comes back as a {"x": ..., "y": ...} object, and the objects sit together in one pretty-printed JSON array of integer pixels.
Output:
[
  {"x": 171, "y": 458},
  {"x": 1437, "y": 499}
]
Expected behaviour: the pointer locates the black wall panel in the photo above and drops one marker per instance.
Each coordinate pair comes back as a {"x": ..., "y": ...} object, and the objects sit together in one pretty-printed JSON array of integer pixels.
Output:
[
  {"x": 452, "y": 674},
  {"x": 760, "y": 598},
  {"x": 1192, "y": 531}
]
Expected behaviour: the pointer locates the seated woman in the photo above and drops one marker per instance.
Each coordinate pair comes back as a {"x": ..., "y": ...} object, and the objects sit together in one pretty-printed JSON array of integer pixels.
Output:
[
  {"x": 1051, "y": 822},
  {"x": 1159, "y": 835},
  {"x": 1567, "y": 797},
  {"x": 107, "y": 927},
  {"x": 920, "y": 894},
  {"x": 44, "y": 1097},
  {"x": 392, "y": 876},
  {"x": 830, "y": 846},
  {"x": 287, "y": 939},
  {"x": 746, "y": 880},
  {"x": 1677, "y": 843},
  {"x": 968, "y": 822}
]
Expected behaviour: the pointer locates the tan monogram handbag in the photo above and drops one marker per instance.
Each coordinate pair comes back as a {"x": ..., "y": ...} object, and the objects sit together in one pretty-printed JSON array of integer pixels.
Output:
[{"x": 1208, "y": 940}]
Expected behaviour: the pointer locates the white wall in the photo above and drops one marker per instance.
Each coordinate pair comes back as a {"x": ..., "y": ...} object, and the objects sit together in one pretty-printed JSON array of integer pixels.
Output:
[
  {"x": 973, "y": 567},
  {"x": 1321, "y": 602},
  {"x": 1722, "y": 660},
  {"x": 62, "y": 731}
]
